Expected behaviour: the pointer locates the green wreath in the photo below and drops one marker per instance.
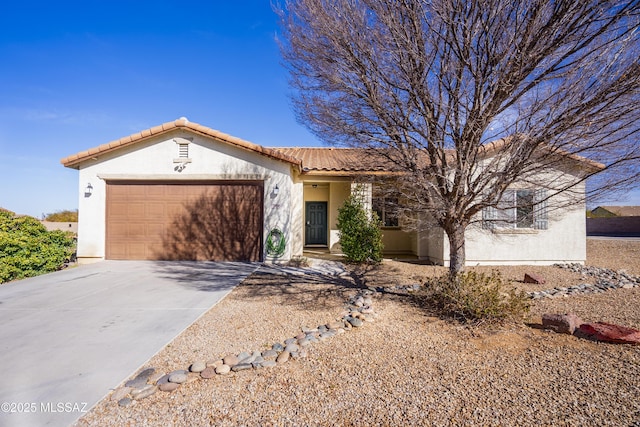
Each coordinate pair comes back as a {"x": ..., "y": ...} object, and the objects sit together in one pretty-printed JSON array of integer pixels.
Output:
[{"x": 275, "y": 248}]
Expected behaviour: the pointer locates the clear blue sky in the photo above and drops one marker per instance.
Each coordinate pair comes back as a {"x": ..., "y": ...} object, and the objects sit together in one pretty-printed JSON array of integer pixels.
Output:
[{"x": 77, "y": 74}]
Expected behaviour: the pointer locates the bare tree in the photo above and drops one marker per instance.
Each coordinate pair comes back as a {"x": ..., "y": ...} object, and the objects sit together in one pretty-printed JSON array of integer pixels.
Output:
[{"x": 467, "y": 97}]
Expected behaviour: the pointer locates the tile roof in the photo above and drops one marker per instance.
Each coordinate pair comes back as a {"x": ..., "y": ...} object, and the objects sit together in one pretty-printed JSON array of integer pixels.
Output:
[
  {"x": 308, "y": 160},
  {"x": 344, "y": 161},
  {"x": 74, "y": 160},
  {"x": 622, "y": 210}
]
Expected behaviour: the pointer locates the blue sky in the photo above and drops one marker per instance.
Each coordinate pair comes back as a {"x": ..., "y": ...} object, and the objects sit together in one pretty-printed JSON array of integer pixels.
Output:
[{"x": 75, "y": 75}]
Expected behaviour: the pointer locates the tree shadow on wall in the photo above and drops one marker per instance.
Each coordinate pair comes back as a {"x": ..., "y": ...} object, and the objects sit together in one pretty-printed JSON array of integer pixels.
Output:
[{"x": 222, "y": 224}]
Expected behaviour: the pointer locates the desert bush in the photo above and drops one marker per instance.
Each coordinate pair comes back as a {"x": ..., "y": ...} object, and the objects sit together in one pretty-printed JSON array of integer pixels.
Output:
[
  {"x": 360, "y": 234},
  {"x": 62, "y": 216},
  {"x": 27, "y": 249},
  {"x": 474, "y": 296}
]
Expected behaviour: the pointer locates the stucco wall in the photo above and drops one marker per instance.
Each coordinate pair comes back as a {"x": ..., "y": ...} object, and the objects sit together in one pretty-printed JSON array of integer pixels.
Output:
[
  {"x": 154, "y": 159},
  {"x": 563, "y": 241}
]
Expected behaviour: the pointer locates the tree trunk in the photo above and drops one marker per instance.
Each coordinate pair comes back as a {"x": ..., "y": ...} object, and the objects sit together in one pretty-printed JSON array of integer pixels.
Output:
[{"x": 457, "y": 255}]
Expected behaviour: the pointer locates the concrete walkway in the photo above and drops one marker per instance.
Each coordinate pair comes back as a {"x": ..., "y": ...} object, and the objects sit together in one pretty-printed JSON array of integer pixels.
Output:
[{"x": 68, "y": 338}]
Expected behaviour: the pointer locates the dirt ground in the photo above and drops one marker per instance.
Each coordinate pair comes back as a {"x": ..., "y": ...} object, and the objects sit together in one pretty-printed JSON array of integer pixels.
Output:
[{"x": 410, "y": 366}]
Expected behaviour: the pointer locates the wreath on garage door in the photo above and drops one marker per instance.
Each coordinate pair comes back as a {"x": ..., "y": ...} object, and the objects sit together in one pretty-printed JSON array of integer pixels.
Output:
[{"x": 275, "y": 243}]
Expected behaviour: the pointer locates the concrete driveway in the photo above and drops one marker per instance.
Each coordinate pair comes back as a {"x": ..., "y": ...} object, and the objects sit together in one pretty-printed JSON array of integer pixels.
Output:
[{"x": 68, "y": 338}]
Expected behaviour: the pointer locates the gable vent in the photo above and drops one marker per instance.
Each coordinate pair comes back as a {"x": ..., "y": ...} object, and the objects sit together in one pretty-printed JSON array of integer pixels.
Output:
[{"x": 183, "y": 151}]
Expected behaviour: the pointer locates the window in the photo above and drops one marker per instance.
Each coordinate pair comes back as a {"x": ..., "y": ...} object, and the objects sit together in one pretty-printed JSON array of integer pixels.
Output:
[
  {"x": 518, "y": 209},
  {"x": 387, "y": 210}
]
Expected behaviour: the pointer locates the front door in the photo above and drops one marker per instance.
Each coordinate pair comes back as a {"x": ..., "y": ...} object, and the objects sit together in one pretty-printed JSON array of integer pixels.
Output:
[{"x": 316, "y": 223}]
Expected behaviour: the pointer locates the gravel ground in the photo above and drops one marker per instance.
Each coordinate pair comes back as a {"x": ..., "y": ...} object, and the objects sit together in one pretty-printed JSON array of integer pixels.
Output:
[{"x": 409, "y": 367}]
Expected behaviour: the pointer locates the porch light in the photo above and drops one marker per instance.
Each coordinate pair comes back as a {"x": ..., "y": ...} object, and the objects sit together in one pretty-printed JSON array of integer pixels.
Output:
[
  {"x": 88, "y": 190},
  {"x": 276, "y": 190}
]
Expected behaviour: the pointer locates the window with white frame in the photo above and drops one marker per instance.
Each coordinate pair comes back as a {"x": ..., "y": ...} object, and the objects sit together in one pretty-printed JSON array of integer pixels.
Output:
[
  {"x": 518, "y": 209},
  {"x": 387, "y": 210}
]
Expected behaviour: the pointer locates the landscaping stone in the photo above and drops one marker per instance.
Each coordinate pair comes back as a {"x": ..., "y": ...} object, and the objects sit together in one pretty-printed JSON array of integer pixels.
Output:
[
  {"x": 168, "y": 387},
  {"x": 125, "y": 402},
  {"x": 120, "y": 393},
  {"x": 356, "y": 323},
  {"x": 277, "y": 347},
  {"x": 534, "y": 278},
  {"x": 241, "y": 367},
  {"x": 269, "y": 363},
  {"x": 283, "y": 357},
  {"x": 291, "y": 347},
  {"x": 269, "y": 354},
  {"x": 136, "y": 383},
  {"x": 223, "y": 369},
  {"x": 231, "y": 360},
  {"x": 198, "y": 366},
  {"x": 208, "y": 373},
  {"x": 607, "y": 332},
  {"x": 215, "y": 363},
  {"x": 178, "y": 377},
  {"x": 561, "y": 323},
  {"x": 144, "y": 392}
]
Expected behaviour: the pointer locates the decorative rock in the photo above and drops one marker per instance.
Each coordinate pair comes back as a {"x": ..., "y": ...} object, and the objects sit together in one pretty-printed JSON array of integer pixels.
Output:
[
  {"x": 291, "y": 347},
  {"x": 301, "y": 336},
  {"x": 290, "y": 341},
  {"x": 277, "y": 347},
  {"x": 178, "y": 377},
  {"x": 137, "y": 383},
  {"x": 209, "y": 372},
  {"x": 534, "y": 278},
  {"x": 335, "y": 324},
  {"x": 283, "y": 357},
  {"x": 243, "y": 356},
  {"x": 356, "y": 323},
  {"x": 153, "y": 379},
  {"x": 144, "y": 392},
  {"x": 163, "y": 380},
  {"x": 223, "y": 369},
  {"x": 125, "y": 402},
  {"x": 120, "y": 393},
  {"x": 146, "y": 373},
  {"x": 215, "y": 363},
  {"x": 198, "y": 366},
  {"x": 241, "y": 367},
  {"x": 269, "y": 354},
  {"x": 608, "y": 332},
  {"x": 168, "y": 387},
  {"x": 231, "y": 360},
  {"x": 269, "y": 364},
  {"x": 561, "y": 323}
]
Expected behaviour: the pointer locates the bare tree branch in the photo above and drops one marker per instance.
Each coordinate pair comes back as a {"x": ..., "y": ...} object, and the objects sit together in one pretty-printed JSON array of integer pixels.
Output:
[{"x": 468, "y": 97}]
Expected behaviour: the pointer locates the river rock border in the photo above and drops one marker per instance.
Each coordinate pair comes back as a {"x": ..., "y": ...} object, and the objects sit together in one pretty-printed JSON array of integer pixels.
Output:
[
  {"x": 358, "y": 310},
  {"x": 605, "y": 280}
]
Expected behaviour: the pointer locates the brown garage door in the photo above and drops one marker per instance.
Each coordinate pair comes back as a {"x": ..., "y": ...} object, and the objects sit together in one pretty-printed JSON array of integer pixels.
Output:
[{"x": 219, "y": 221}]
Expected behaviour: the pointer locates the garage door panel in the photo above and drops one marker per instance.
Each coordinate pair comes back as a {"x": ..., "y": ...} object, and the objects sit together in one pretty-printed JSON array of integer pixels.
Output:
[{"x": 204, "y": 221}]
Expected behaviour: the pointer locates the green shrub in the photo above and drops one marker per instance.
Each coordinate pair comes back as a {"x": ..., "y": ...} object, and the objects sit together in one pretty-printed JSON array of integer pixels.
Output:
[
  {"x": 62, "y": 216},
  {"x": 27, "y": 249},
  {"x": 360, "y": 234},
  {"x": 474, "y": 296}
]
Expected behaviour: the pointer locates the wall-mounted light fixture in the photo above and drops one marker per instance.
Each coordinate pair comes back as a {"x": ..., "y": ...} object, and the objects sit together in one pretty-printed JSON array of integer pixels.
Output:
[
  {"x": 88, "y": 190},
  {"x": 276, "y": 190}
]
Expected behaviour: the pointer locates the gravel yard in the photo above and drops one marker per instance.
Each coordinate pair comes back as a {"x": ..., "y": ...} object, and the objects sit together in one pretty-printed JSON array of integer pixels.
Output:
[{"x": 409, "y": 367}]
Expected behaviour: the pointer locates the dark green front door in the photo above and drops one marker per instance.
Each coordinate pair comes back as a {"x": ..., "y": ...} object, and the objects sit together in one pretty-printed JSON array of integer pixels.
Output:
[{"x": 316, "y": 223}]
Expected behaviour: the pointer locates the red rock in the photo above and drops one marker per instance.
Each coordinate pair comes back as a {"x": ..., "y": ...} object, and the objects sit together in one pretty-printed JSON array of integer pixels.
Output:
[
  {"x": 534, "y": 278},
  {"x": 610, "y": 333},
  {"x": 561, "y": 323}
]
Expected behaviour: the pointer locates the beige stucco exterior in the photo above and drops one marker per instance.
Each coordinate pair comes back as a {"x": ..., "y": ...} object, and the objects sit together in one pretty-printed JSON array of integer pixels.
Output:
[{"x": 157, "y": 157}]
